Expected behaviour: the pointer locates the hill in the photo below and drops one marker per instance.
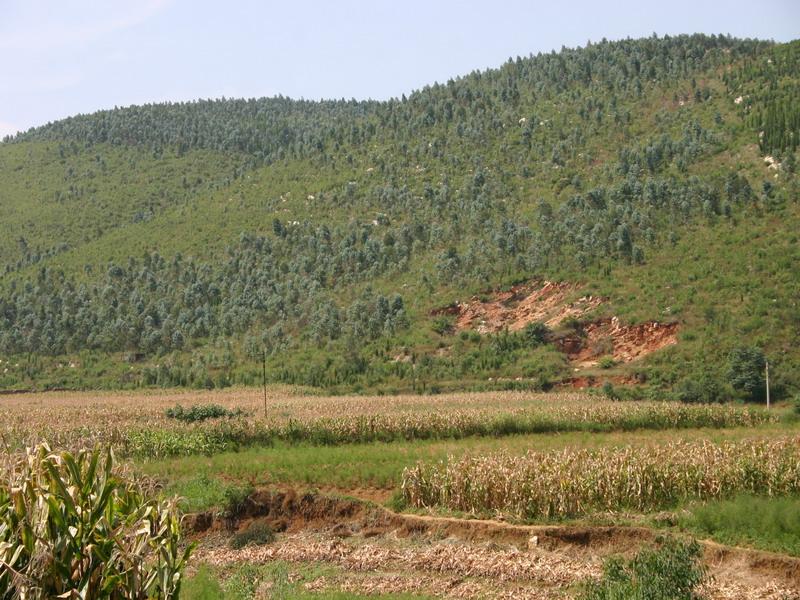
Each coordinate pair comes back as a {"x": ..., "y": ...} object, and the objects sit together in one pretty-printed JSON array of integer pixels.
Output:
[{"x": 624, "y": 212}]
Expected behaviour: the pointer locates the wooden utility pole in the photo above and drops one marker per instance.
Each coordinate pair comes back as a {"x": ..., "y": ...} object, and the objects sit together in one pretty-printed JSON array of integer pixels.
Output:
[
  {"x": 766, "y": 368},
  {"x": 264, "y": 379}
]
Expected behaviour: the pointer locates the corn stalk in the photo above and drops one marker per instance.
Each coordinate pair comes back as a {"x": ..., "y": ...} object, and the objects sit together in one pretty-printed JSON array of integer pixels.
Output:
[{"x": 73, "y": 526}]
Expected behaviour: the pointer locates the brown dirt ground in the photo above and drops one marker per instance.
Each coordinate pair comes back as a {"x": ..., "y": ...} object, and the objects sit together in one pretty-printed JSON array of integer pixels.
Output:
[{"x": 382, "y": 551}]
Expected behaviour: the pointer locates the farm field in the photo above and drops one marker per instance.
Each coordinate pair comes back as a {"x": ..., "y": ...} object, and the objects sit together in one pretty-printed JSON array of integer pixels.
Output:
[{"x": 502, "y": 494}]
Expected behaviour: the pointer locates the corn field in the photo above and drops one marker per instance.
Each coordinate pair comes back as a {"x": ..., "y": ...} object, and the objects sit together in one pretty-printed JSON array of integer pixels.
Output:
[
  {"x": 140, "y": 430},
  {"x": 570, "y": 483}
]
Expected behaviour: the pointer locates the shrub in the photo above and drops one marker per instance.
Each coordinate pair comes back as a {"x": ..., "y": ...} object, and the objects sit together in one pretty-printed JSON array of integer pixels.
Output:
[
  {"x": 235, "y": 500},
  {"x": 257, "y": 533},
  {"x": 606, "y": 362},
  {"x": 74, "y": 526},
  {"x": 609, "y": 391},
  {"x": 704, "y": 389},
  {"x": 536, "y": 334},
  {"x": 442, "y": 325},
  {"x": 671, "y": 572},
  {"x": 201, "y": 412}
]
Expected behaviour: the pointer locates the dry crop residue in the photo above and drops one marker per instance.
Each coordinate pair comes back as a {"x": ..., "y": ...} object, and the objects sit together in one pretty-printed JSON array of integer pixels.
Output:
[{"x": 553, "y": 303}]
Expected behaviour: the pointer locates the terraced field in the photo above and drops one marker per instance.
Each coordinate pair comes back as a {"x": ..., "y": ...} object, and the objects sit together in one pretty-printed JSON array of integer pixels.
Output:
[{"x": 503, "y": 495}]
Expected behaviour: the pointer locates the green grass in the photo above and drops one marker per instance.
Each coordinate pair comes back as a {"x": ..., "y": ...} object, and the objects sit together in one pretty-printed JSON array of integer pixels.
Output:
[
  {"x": 767, "y": 523},
  {"x": 203, "y": 585}
]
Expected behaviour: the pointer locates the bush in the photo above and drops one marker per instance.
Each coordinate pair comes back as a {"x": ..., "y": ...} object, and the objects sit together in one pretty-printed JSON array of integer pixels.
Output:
[
  {"x": 606, "y": 362},
  {"x": 609, "y": 391},
  {"x": 704, "y": 389},
  {"x": 442, "y": 325},
  {"x": 74, "y": 526},
  {"x": 671, "y": 572},
  {"x": 257, "y": 533},
  {"x": 202, "y": 412},
  {"x": 536, "y": 334},
  {"x": 235, "y": 500},
  {"x": 746, "y": 373}
]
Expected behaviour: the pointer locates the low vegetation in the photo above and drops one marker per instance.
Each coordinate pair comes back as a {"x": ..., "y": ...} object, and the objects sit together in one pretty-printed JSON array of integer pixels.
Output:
[
  {"x": 673, "y": 571},
  {"x": 201, "y": 412},
  {"x": 256, "y": 534}
]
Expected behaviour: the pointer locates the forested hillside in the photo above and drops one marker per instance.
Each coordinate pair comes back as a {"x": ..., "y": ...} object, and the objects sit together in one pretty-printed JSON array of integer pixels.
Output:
[{"x": 635, "y": 201}]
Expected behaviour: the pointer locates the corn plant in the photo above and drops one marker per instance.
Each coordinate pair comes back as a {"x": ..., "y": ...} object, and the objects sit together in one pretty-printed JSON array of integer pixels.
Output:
[
  {"x": 75, "y": 526},
  {"x": 568, "y": 482}
]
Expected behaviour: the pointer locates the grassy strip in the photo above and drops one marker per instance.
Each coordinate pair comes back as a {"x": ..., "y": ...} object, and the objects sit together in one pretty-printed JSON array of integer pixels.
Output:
[{"x": 767, "y": 523}]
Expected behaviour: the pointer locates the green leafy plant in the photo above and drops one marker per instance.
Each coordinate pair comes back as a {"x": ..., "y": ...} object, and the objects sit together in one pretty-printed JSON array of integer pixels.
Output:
[
  {"x": 671, "y": 572},
  {"x": 202, "y": 412},
  {"x": 235, "y": 500},
  {"x": 606, "y": 362},
  {"x": 74, "y": 526},
  {"x": 442, "y": 325},
  {"x": 536, "y": 333}
]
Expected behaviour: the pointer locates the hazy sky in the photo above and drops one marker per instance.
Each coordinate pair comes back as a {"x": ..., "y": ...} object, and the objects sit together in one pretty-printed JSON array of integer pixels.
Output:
[{"x": 61, "y": 57}]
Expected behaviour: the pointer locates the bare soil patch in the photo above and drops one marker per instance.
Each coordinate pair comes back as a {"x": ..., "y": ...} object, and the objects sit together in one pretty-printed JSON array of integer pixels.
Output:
[
  {"x": 623, "y": 343},
  {"x": 553, "y": 303},
  {"x": 546, "y": 302}
]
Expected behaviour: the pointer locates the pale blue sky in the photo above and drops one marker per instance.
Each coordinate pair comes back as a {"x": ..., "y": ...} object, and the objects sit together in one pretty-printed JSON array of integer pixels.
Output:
[{"x": 61, "y": 57}]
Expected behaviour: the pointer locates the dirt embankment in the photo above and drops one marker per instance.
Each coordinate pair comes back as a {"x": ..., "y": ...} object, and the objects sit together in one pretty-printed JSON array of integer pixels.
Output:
[
  {"x": 555, "y": 303},
  {"x": 461, "y": 558}
]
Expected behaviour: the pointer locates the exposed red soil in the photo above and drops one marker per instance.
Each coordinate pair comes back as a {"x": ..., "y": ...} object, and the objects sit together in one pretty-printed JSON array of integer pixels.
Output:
[
  {"x": 624, "y": 343},
  {"x": 523, "y": 304},
  {"x": 581, "y": 383},
  {"x": 553, "y": 303}
]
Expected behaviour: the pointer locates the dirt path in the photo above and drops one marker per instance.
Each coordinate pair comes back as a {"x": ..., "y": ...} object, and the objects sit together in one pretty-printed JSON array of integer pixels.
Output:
[{"x": 379, "y": 551}]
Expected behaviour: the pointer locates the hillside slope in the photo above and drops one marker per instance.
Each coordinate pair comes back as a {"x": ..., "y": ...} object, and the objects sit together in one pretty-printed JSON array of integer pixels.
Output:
[{"x": 653, "y": 181}]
